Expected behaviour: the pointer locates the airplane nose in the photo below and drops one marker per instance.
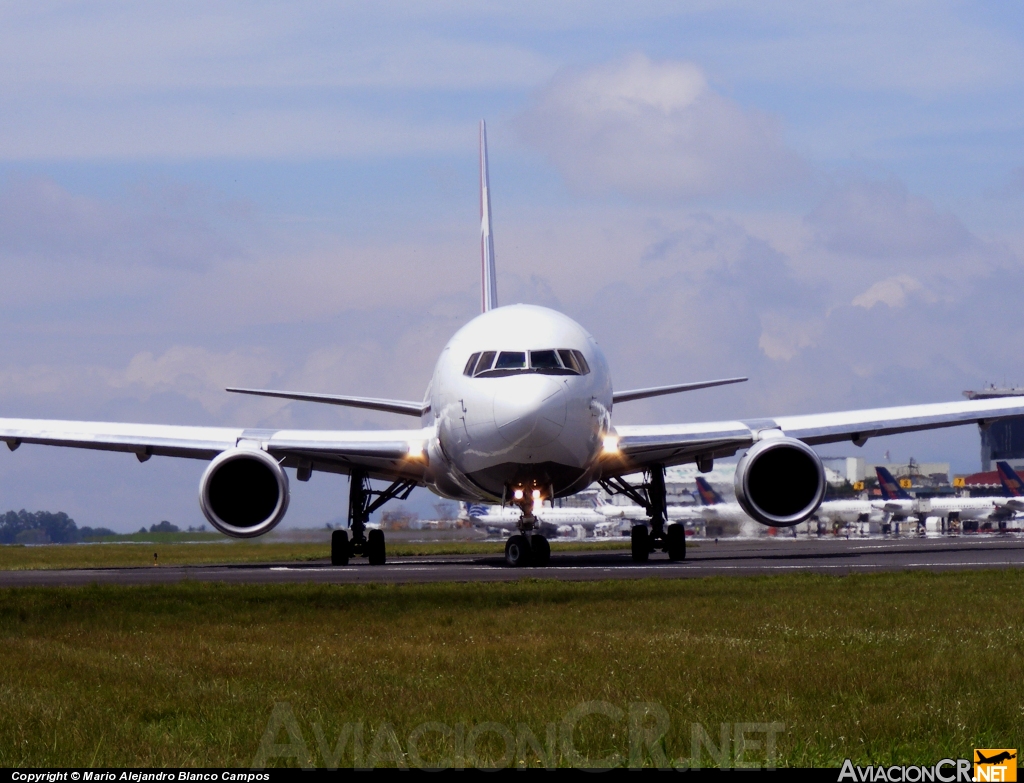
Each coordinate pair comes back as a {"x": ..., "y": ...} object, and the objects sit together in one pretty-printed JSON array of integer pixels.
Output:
[{"x": 530, "y": 409}]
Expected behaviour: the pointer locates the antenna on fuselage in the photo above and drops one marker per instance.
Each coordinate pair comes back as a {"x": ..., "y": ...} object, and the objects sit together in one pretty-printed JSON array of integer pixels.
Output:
[{"x": 489, "y": 281}]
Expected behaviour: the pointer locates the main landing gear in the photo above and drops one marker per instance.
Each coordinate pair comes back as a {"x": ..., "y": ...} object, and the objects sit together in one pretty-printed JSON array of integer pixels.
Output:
[
  {"x": 361, "y": 504},
  {"x": 650, "y": 495}
]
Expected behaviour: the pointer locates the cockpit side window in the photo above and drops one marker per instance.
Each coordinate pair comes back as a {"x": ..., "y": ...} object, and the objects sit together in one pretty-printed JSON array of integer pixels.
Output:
[
  {"x": 471, "y": 364},
  {"x": 582, "y": 362},
  {"x": 511, "y": 360},
  {"x": 544, "y": 360},
  {"x": 486, "y": 360},
  {"x": 568, "y": 360}
]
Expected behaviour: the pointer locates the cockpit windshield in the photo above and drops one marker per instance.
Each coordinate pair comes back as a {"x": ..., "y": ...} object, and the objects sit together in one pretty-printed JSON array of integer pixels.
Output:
[
  {"x": 560, "y": 361},
  {"x": 544, "y": 360},
  {"x": 511, "y": 360}
]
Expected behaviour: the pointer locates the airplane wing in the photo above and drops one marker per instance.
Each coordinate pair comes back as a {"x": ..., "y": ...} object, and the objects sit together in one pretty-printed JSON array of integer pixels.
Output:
[
  {"x": 403, "y": 407},
  {"x": 634, "y": 447},
  {"x": 389, "y": 454},
  {"x": 658, "y": 391}
]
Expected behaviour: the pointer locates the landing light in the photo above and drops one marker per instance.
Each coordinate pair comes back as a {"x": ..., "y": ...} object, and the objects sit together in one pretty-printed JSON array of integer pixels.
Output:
[
  {"x": 518, "y": 494},
  {"x": 417, "y": 449},
  {"x": 611, "y": 444},
  {"x": 536, "y": 494}
]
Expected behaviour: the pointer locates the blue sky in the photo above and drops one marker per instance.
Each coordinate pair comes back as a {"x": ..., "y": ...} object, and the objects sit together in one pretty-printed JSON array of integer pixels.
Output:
[{"x": 826, "y": 198}]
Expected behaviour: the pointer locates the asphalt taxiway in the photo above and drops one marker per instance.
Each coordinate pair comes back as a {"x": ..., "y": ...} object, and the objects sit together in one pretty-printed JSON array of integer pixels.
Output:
[{"x": 726, "y": 558}]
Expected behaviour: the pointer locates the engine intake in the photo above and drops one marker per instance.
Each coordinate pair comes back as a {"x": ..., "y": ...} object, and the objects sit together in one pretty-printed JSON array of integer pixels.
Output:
[
  {"x": 244, "y": 493},
  {"x": 780, "y": 481}
]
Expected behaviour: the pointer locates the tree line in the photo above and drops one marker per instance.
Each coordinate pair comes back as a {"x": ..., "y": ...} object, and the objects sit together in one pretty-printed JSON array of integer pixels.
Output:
[{"x": 45, "y": 527}]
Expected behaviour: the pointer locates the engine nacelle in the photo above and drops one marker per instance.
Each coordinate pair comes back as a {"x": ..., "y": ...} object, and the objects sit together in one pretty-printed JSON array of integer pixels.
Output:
[
  {"x": 244, "y": 493},
  {"x": 780, "y": 481}
]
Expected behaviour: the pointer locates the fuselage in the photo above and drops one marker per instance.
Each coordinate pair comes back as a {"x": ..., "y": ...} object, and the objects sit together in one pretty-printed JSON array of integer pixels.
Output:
[
  {"x": 508, "y": 518},
  {"x": 521, "y": 397},
  {"x": 849, "y": 511},
  {"x": 969, "y": 508},
  {"x": 724, "y": 512},
  {"x": 965, "y": 508}
]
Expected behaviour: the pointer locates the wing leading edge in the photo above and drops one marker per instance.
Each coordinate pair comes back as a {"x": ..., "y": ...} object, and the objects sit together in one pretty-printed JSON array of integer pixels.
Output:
[
  {"x": 402, "y": 407},
  {"x": 674, "y": 444},
  {"x": 384, "y": 453},
  {"x": 658, "y": 391}
]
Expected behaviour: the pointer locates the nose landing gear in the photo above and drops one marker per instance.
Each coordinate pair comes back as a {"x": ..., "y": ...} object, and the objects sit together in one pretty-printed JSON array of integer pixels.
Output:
[
  {"x": 532, "y": 550},
  {"x": 527, "y": 548}
]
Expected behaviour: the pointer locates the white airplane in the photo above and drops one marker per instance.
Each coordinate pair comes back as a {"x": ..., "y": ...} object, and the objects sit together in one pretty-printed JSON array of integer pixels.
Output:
[
  {"x": 714, "y": 508},
  {"x": 898, "y": 504},
  {"x": 519, "y": 410},
  {"x": 849, "y": 511},
  {"x": 551, "y": 518},
  {"x": 1013, "y": 486}
]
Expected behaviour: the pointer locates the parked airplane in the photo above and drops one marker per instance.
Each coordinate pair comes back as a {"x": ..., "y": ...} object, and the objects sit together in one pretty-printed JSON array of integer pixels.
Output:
[
  {"x": 1013, "y": 485},
  {"x": 896, "y": 502},
  {"x": 551, "y": 518},
  {"x": 900, "y": 505},
  {"x": 599, "y": 516},
  {"x": 519, "y": 410},
  {"x": 848, "y": 511},
  {"x": 843, "y": 511},
  {"x": 714, "y": 508},
  {"x": 1013, "y": 503}
]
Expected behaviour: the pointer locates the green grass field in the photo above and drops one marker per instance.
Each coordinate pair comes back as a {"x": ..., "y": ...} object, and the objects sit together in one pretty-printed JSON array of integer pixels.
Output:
[
  {"x": 227, "y": 551},
  {"x": 887, "y": 668}
]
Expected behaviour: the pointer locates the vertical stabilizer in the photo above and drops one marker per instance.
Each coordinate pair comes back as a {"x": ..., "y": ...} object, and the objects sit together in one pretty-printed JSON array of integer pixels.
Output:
[
  {"x": 708, "y": 496},
  {"x": 891, "y": 489},
  {"x": 1012, "y": 483},
  {"x": 489, "y": 298}
]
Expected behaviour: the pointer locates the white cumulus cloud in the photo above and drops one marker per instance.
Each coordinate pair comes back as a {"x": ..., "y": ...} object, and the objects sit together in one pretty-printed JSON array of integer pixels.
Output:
[
  {"x": 783, "y": 337},
  {"x": 655, "y": 129},
  {"x": 892, "y": 292}
]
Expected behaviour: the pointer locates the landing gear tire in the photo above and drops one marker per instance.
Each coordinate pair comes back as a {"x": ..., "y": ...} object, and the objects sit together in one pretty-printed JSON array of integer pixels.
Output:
[
  {"x": 541, "y": 550},
  {"x": 375, "y": 552},
  {"x": 339, "y": 548},
  {"x": 640, "y": 543},
  {"x": 517, "y": 551},
  {"x": 676, "y": 542}
]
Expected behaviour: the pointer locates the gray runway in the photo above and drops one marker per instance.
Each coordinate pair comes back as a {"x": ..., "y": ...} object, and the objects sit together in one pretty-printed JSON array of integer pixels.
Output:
[{"x": 726, "y": 558}]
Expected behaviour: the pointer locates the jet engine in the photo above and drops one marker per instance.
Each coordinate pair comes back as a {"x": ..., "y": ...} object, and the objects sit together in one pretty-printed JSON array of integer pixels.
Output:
[
  {"x": 780, "y": 481},
  {"x": 244, "y": 493}
]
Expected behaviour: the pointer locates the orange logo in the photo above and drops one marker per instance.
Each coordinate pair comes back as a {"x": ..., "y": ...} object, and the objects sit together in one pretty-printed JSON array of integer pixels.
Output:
[{"x": 995, "y": 764}]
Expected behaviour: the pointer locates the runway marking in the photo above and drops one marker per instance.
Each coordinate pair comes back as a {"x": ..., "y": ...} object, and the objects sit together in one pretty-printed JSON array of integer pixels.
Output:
[
  {"x": 289, "y": 568},
  {"x": 691, "y": 566},
  {"x": 350, "y": 569},
  {"x": 857, "y": 565},
  {"x": 1015, "y": 544}
]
